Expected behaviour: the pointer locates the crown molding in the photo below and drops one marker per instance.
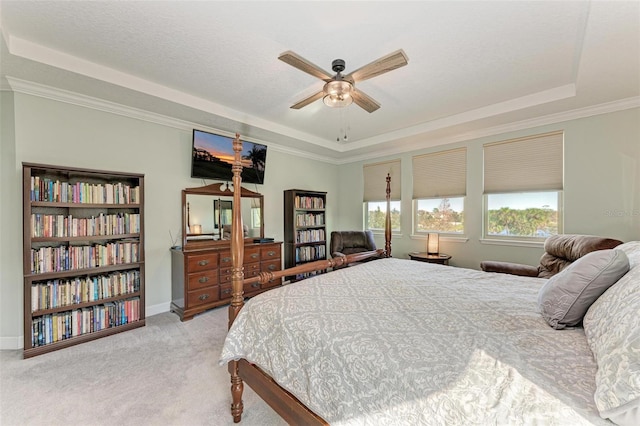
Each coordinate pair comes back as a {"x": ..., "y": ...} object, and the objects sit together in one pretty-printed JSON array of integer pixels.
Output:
[
  {"x": 61, "y": 95},
  {"x": 73, "y": 98},
  {"x": 605, "y": 108}
]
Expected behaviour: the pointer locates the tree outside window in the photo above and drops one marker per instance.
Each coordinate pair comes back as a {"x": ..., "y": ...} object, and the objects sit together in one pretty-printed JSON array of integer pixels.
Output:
[{"x": 375, "y": 214}]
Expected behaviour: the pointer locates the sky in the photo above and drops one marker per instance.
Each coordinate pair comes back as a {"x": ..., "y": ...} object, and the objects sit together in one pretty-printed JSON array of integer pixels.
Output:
[
  {"x": 518, "y": 201},
  {"x": 221, "y": 146}
]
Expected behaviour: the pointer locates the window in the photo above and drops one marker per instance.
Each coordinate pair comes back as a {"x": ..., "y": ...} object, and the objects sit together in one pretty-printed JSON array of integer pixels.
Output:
[
  {"x": 375, "y": 214},
  {"x": 523, "y": 183},
  {"x": 439, "y": 190},
  {"x": 439, "y": 214},
  {"x": 375, "y": 195},
  {"x": 524, "y": 214}
]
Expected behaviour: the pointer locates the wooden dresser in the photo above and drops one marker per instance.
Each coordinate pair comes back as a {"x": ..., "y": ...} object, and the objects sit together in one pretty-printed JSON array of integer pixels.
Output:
[{"x": 201, "y": 278}]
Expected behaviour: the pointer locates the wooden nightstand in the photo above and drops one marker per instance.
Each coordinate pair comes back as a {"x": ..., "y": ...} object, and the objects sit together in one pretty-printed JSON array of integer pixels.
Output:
[{"x": 442, "y": 259}]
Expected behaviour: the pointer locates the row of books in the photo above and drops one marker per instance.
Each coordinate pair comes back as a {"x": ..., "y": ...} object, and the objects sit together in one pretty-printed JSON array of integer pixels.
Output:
[
  {"x": 304, "y": 254},
  {"x": 46, "y": 189},
  {"x": 309, "y": 219},
  {"x": 310, "y": 236},
  {"x": 65, "y": 258},
  {"x": 48, "y": 225},
  {"x": 51, "y": 328},
  {"x": 65, "y": 292},
  {"x": 303, "y": 202}
]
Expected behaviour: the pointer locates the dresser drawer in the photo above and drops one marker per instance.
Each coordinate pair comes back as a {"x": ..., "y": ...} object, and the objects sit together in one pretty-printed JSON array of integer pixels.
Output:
[
  {"x": 225, "y": 289},
  {"x": 268, "y": 253},
  {"x": 203, "y": 296},
  {"x": 272, "y": 265},
  {"x": 202, "y": 279},
  {"x": 202, "y": 262},
  {"x": 251, "y": 255},
  {"x": 225, "y": 259}
]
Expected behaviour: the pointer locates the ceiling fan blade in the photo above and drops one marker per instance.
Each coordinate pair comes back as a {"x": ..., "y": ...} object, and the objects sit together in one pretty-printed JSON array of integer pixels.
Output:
[
  {"x": 302, "y": 64},
  {"x": 387, "y": 63},
  {"x": 308, "y": 100},
  {"x": 364, "y": 101}
]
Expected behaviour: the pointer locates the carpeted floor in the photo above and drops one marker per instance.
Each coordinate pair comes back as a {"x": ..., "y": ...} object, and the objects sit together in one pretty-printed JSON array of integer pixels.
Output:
[{"x": 165, "y": 373}]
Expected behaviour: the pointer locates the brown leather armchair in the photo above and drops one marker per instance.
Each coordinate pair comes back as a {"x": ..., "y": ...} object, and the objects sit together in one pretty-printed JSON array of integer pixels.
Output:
[
  {"x": 560, "y": 252},
  {"x": 349, "y": 242}
]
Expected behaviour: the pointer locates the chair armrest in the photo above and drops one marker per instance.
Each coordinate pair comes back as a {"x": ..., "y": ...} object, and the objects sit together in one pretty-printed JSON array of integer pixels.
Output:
[{"x": 509, "y": 268}]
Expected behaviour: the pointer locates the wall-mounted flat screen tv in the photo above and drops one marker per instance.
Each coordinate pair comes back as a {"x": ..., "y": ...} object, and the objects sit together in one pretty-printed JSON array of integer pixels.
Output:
[{"x": 212, "y": 158}]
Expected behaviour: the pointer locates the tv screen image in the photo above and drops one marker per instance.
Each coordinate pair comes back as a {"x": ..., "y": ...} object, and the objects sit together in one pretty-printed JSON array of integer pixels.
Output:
[{"x": 212, "y": 158}]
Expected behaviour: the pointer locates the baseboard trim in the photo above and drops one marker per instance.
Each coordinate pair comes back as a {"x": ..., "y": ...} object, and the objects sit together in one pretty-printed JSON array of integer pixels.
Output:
[
  {"x": 11, "y": 343},
  {"x": 158, "y": 309}
]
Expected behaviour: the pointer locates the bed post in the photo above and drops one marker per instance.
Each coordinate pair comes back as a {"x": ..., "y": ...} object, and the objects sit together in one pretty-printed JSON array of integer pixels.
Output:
[
  {"x": 387, "y": 220},
  {"x": 237, "y": 274}
]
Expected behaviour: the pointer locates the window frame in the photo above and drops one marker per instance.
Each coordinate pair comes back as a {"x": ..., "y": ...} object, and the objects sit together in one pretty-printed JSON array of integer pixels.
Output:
[
  {"x": 519, "y": 238},
  {"x": 441, "y": 232}
]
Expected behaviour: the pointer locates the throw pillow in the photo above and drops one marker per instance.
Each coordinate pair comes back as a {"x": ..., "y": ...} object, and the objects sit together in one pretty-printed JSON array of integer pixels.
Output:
[{"x": 565, "y": 298}]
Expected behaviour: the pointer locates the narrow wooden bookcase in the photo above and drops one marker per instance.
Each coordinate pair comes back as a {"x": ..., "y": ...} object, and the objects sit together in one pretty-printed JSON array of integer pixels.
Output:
[
  {"x": 305, "y": 234},
  {"x": 83, "y": 256}
]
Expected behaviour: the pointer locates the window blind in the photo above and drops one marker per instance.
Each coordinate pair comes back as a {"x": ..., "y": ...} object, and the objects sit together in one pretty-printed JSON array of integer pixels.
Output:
[
  {"x": 533, "y": 163},
  {"x": 440, "y": 174},
  {"x": 375, "y": 180}
]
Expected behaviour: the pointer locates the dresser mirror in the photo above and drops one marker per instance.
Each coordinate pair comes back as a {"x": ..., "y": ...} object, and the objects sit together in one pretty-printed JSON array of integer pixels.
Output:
[{"x": 207, "y": 215}]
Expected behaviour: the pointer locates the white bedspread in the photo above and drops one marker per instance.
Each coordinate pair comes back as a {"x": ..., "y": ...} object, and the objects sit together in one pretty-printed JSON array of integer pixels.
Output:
[{"x": 400, "y": 342}]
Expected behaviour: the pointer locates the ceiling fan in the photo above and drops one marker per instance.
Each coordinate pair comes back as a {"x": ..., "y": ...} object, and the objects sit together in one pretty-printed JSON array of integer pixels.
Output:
[{"x": 340, "y": 90}]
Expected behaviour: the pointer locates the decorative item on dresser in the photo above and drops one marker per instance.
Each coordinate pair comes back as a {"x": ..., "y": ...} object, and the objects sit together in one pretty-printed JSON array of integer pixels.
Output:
[
  {"x": 305, "y": 234},
  {"x": 201, "y": 267},
  {"x": 83, "y": 255}
]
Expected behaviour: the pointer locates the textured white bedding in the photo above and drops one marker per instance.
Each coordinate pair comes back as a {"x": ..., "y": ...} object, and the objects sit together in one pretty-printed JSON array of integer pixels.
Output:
[{"x": 402, "y": 342}]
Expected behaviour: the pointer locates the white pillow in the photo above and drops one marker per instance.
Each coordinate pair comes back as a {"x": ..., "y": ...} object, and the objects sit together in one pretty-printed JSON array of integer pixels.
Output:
[
  {"x": 632, "y": 250},
  {"x": 612, "y": 327}
]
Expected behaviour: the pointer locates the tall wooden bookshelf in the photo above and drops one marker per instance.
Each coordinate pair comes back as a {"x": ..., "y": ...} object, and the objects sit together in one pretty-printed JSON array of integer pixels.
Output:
[
  {"x": 83, "y": 255},
  {"x": 305, "y": 234}
]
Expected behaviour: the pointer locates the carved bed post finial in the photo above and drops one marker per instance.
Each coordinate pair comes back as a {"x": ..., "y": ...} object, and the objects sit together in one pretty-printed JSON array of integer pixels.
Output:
[
  {"x": 387, "y": 221},
  {"x": 237, "y": 273}
]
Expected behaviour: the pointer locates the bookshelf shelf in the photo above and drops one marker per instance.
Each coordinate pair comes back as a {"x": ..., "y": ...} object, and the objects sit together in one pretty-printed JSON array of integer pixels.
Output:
[
  {"x": 304, "y": 228},
  {"x": 83, "y": 255}
]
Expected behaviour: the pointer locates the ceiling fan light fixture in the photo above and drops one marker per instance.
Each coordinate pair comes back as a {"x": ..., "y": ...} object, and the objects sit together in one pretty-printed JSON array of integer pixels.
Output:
[{"x": 337, "y": 94}]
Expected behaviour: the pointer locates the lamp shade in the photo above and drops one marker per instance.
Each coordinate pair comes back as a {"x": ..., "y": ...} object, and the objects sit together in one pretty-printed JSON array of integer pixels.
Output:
[
  {"x": 433, "y": 243},
  {"x": 196, "y": 229}
]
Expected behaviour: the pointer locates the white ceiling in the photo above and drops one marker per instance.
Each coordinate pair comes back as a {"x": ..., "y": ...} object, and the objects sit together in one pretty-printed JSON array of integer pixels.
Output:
[{"x": 475, "y": 68}]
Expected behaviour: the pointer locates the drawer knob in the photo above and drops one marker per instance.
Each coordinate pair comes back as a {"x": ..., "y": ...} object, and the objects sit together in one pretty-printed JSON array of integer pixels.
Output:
[
  {"x": 271, "y": 267},
  {"x": 226, "y": 291},
  {"x": 203, "y": 263},
  {"x": 271, "y": 253},
  {"x": 203, "y": 279},
  {"x": 226, "y": 259},
  {"x": 204, "y": 297},
  {"x": 255, "y": 285},
  {"x": 254, "y": 255}
]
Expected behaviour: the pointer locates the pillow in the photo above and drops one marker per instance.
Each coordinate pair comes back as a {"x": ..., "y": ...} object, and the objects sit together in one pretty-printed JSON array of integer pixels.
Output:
[
  {"x": 632, "y": 250},
  {"x": 612, "y": 327},
  {"x": 565, "y": 298}
]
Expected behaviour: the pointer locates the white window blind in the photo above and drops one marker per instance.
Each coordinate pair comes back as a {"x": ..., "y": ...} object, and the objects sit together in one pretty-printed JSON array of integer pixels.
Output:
[
  {"x": 533, "y": 163},
  {"x": 440, "y": 174},
  {"x": 375, "y": 180}
]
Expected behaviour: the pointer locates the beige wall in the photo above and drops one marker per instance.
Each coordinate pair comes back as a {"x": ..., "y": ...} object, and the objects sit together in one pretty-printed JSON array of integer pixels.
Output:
[
  {"x": 602, "y": 186},
  {"x": 601, "y": 190},
  {"x": 52, "y": 132}
]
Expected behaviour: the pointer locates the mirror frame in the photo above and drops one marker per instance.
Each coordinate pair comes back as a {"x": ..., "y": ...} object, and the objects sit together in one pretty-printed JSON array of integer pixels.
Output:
[{"x": 215, "y": 190}]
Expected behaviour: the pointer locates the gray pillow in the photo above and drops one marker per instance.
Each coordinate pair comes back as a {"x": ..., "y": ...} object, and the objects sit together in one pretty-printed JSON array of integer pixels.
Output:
[{"x": 566, "y": 297}]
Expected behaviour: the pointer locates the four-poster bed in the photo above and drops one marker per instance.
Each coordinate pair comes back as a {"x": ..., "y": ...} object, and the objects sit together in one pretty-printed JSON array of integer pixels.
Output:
[{"x": 405, "y": 342}]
